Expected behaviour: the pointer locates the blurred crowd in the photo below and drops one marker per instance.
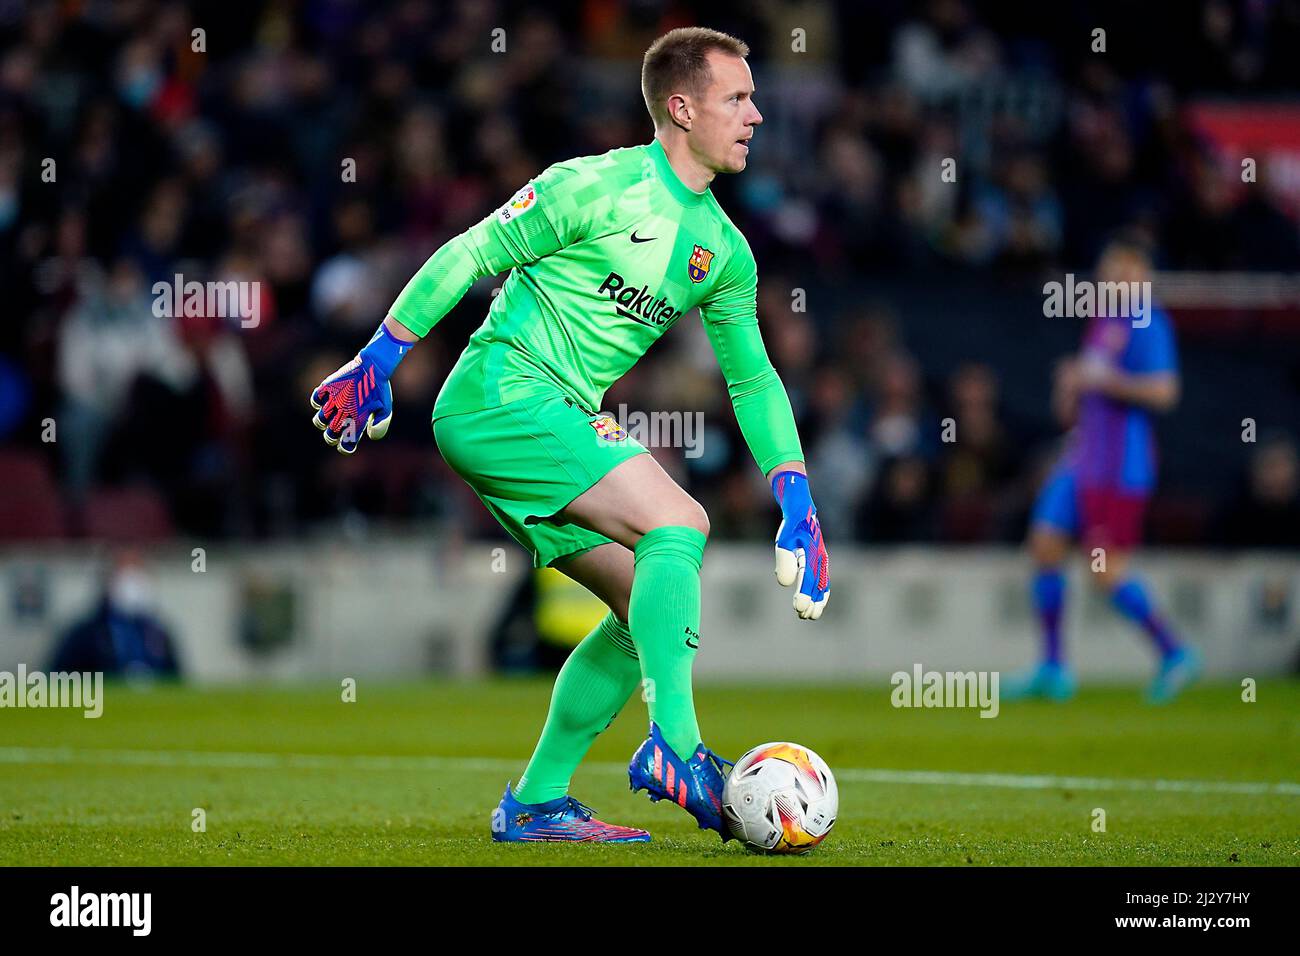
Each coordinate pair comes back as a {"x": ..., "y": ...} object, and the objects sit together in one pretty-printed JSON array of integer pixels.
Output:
[{"x": 324, "y": 148}]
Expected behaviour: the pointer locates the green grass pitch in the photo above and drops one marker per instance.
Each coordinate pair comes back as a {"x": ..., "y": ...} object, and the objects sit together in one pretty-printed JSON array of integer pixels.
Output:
[{"x": 409, "y": 774}]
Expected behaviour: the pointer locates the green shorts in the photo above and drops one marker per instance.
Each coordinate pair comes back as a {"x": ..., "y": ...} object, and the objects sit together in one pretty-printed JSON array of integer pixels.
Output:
[{"x": 528, "y": 459}]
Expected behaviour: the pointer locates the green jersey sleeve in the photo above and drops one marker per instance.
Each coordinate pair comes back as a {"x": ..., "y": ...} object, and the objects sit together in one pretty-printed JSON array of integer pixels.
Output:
[
  {"x": 763, "y": 411},
  {"x": 555, "y": 210}
]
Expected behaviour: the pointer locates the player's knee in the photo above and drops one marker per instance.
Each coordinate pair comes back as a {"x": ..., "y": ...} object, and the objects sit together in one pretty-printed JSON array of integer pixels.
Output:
[
  {"x": 1046, "y": 548},
  {"x": 703, "y": 525},
  {"x": 1102, "y": 579},
  {"x": 687, "y": 513},
  {"x": 1108, "y": 574},
  {"x": 696, "y": 517}
]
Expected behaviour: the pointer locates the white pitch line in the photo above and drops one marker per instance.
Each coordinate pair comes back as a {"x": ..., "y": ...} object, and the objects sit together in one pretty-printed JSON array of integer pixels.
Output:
[{"x": 944, "y": 778}]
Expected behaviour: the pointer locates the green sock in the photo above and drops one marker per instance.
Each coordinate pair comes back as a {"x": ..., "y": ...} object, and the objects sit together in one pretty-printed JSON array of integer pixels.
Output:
[
  {"x": 592, "y": 687},
  {"x": 664, "y": 615}
]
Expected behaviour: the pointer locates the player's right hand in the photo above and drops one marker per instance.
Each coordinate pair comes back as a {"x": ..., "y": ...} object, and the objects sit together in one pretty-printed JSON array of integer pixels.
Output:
[{"x": 357, "y": 396}]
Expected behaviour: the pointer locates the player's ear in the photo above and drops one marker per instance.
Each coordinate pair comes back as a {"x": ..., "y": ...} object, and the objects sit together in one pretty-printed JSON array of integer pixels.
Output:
[{"x": 679, "y": 111}]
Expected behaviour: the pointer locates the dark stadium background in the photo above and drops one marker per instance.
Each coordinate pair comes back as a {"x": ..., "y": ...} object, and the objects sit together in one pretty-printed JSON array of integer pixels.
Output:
[
  {"x": 923, "y": 300},
  {"x": 364, "y": 656}
]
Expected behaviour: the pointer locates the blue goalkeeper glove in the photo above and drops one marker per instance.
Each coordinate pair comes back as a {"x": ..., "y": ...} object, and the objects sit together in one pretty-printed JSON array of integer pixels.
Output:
[
  {"x": 358, "y": 395},
  {"x": 801, "y": 558}
]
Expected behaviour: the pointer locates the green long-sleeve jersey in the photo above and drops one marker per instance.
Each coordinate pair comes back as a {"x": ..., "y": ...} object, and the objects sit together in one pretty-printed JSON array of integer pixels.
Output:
[{"x": 606, "y": 253}]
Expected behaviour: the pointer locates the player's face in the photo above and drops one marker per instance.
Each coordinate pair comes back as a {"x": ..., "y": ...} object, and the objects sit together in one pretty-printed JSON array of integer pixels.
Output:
[
  {"x": 1122, "y": 266},
  {"x": 725, "y": 116}
]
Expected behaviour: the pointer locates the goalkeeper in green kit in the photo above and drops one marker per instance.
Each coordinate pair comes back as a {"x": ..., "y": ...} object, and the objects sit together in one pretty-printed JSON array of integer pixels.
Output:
[{"x": 606, "y": 253}]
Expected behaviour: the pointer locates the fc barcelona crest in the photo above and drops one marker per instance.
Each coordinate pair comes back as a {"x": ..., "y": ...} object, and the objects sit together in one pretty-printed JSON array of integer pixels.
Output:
[
  {"x": 698, "y": 267},
  {"x": 608, "y": 428}
]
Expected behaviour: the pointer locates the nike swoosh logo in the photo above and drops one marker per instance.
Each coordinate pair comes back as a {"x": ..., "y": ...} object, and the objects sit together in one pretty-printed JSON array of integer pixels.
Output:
[
  {"x": 689, "y": 644},
  {"x": 645, "y": 239}
]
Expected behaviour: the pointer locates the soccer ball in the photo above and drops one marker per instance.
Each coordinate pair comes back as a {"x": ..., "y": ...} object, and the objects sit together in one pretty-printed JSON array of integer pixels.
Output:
[{"x": 780, "y": 798}]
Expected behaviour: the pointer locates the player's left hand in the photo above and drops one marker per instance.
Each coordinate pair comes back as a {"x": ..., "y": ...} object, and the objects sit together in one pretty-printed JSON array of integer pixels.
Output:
[{"x": 801, "y": 558}]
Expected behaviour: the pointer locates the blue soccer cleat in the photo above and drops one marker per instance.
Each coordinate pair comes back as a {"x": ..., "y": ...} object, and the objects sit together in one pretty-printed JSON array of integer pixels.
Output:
[
  {"x": 563, "y": 820},
  {"x": 1045, "y": 681},
  {"x": 695, "y": 785},
  {"x": 1180, "y": 668}
]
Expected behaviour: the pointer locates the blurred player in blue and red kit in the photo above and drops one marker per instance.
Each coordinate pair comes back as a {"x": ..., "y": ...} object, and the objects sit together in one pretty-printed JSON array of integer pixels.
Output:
[{"x": 1125, "y": 373}]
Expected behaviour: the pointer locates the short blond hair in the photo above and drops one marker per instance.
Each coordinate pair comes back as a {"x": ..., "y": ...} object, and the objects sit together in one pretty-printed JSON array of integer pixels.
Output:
[{"x": 678, "y": 63}]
